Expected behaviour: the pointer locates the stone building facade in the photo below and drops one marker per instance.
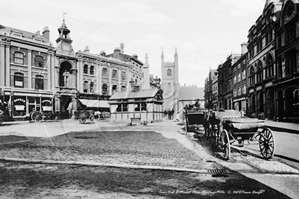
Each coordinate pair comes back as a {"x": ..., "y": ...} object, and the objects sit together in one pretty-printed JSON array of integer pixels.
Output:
[{"x": 36, "y": 75}]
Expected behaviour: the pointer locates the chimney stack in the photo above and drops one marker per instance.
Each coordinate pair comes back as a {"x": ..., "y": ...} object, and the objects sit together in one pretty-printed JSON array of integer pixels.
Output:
[
  {"x": 244, "y": 48},
  {"x": 46, "y": 33}
]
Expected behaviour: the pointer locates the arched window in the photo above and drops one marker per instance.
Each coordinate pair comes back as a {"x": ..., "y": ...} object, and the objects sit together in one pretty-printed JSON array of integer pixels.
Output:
[
  {"x": 39, "y": 61},
  {"x": 169, "y": 72},
  {"x": 19, "y": 80},
  {"x": 92, "y": 70},
  {"x": 19, "y": 58},
  {"x": 85, "y": 69},
  {"x": 39, "y": 82}
]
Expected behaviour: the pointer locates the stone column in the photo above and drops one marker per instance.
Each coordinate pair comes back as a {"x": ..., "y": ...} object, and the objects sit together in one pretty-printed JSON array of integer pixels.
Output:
[
  {"x": 2, "y": 63},
  {"x": 52, "y": 72},
  {"x": 119, "y": 80},
  {"x": 56, "y": 76},
  {"x": 109, "y": 79},
  {"x": 29, "y": 70},
  {"x": 49, "y": 71},
  {"x": 7, "y": 65},
  {"x": 99, "y": 79}
]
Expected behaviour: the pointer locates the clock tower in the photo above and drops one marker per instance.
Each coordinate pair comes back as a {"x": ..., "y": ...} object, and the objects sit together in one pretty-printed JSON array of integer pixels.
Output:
[
  {"x": 64, "y": 42},
  {"x": 65, "y": 72}
]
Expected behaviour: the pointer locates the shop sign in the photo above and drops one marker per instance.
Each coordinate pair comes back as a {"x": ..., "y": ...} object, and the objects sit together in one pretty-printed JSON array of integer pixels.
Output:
[
  {"x": 44, "y": 101},
  {"x": 19, "y": 107},
  {"x": 19, "y": 100}
]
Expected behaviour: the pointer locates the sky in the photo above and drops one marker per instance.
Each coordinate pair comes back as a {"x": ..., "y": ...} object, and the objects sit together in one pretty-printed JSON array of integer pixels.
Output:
[{"x": 205, "y": 32}]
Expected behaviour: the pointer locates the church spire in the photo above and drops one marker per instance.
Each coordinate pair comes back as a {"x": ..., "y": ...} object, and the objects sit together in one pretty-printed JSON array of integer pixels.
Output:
[
  {"x": 176, "y": 55},
  {"x": 162, "y": 52}
]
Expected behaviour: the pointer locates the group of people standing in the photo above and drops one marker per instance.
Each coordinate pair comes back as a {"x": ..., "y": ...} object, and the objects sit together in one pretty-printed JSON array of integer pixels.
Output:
[{"x": 169, "y": 113}]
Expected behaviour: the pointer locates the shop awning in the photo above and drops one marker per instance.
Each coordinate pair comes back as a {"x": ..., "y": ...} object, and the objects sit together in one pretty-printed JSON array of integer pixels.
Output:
[{"x": 94, "y": 103}]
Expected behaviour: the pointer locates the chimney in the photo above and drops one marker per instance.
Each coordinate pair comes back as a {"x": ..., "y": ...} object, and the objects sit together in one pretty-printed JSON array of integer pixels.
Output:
[
  {"x": 87, "y": 49},
  {"x": 244, "y": 48},
  {"x": 122, "y": 47},
  {"x": 46, "y": 33}
]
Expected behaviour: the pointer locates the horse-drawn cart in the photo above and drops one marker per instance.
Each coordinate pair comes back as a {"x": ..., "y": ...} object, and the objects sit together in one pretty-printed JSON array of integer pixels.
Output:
[
  {"x": 228, "y": 126},
  {"x": 84, "y": 115},
  {"x": 193, "y": 119}
]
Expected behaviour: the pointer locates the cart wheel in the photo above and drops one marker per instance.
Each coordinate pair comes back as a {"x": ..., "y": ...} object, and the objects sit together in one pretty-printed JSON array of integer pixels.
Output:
[
  {"x": 38, "y": 117},
  {"x": 225, "y": 144},
  {"x": 82, "y": 120},
  {"x": 267, "y": 143},
  {"x": 92, "y": 118}
]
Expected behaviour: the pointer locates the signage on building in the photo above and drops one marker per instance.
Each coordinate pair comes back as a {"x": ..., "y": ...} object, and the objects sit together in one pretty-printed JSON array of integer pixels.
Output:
[
  {"x": 19, "y": 100},
  {"x": 46, "y": 100},
  {"x": 251, "y": 91},
  {"x": 258, "y": 88},
  {"x": 268, "y": 84}
]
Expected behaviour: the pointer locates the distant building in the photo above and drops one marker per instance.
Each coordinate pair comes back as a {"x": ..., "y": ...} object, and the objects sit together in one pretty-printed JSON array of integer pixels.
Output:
[
  {"x": 239, "y": 83},
  {"x": 189, "y": 95},
  {"x": 170, "y": 83},
  {"x": 208, "y": 92}
]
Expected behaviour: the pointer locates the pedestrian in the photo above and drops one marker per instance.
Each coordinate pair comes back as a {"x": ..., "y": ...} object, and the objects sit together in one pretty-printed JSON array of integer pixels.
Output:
[
  {"x": 31, "y": 115},
  {"x": 172, "y": 114}
]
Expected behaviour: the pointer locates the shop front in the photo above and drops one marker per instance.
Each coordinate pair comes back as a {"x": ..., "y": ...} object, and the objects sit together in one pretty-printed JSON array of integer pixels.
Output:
[{"x": 20, "y": 104}]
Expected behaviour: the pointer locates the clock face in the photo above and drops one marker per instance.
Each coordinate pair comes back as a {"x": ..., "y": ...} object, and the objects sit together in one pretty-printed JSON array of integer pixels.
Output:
[{"x": 65, "y": 47}]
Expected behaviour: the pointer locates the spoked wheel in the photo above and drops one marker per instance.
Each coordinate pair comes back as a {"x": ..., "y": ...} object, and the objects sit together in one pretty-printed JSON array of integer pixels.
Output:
[
  {"x": 82, "y": 120},
  {"x": 225, "y": 144},
  {"x": 38, "y": 117},
  {"x": 267, "y": 143}
]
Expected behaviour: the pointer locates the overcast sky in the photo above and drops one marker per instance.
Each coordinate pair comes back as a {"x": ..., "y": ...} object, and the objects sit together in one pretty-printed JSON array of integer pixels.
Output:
[{"x": 205, "y": 32}]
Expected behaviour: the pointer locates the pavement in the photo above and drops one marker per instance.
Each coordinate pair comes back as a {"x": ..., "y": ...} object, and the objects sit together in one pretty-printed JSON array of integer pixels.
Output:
[{"x": 283, "y": 126}]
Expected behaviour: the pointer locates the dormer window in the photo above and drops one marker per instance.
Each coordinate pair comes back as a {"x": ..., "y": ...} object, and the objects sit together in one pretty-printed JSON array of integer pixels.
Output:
[{"x": 169, "y": 72}]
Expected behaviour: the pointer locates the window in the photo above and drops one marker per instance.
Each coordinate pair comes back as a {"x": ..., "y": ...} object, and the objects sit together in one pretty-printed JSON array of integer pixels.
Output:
[
  {"x": 123, "y": 76},
  {"x": 85, "y": 69},
  {"x": 39, "y": 61},
  {"x": 115, "y": 74},
  {"x": 239, "y": 91},
  {"x": 104, "y": 89},
  {"x": 244, "y": 74},
  {"x": 259, "y": 72},
  {"x": 269, "y": 68},
  {"x": 104, "y": 72},
  {"x": 239, "y": 77},
  {"x": 137, "y": 107},
  {"x": 92, "y": 70},
  {"x": 85, "y": 86},
  {"x": 169, "y": 72},
  {"x": 19, "y": 58},
  {"x": 39, "y": 82},
  {"x": 19, "y": 80},
  {"x": 234, "y": 79},
  {"x": 244, "y": 89},
  {"x": 92, "y": 87},
  {"x": 252, "y": 75},
  {"x": 144, "y": 106},
  {"x": 234, "y": 92}
]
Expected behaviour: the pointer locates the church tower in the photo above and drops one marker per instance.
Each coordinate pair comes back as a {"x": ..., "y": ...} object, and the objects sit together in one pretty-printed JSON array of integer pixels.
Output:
[
  {"x": 146, "y": 84},
  {"x": 170, "y": 83}
]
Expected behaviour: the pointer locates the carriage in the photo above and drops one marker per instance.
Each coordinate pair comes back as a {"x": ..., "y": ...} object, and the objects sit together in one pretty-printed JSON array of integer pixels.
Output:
[
  {"x": 229, "y": 126},
  {"x": 194, "y": 118},
  {"x": 1, "y": 116},
  {"x": 84, "y": 115},
  {"x": 37, "y": 116}
]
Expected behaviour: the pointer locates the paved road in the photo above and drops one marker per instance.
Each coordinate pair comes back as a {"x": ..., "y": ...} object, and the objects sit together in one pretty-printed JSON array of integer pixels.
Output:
[{"x": 272, "y": 173}]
